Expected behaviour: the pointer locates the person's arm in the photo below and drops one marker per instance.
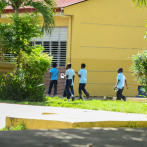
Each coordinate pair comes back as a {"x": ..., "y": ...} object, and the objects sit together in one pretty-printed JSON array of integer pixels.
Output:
[
  {"x": 67, "y": 74},
  {"x": 73, "y": 78},
  {"x": 126, "y": 84},
  {"x": 58, "y": 75},
  {"x": 78, "y": 74},
  {"x": 118, "y": 80},
  {"x": 117, "y": 83},
  {"x": 50, "y": 74}
]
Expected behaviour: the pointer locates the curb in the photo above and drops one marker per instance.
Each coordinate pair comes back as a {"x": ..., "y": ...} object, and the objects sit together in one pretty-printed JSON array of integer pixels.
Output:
[{"x": 34, "y": 124}]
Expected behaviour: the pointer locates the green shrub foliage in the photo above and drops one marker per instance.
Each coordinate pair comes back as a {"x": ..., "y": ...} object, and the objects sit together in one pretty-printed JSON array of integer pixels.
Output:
[
  {"x": 26, "y": 81},
  {"x": 139, "y": 68},
  {"x": 28, "y": 84}
]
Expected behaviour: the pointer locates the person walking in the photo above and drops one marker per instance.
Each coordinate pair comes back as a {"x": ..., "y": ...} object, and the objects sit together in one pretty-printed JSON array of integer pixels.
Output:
[
  {"x": 54, "y": 79},
  {"x": 119, "y": 85},
  {"x": 83, "y": 80},
  {"x": 70, "y": 75}
]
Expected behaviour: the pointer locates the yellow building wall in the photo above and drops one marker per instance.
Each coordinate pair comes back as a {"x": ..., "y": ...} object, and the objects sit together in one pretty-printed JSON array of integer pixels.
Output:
[
  {"x": 105, "y": 33},
  {"x": 60, "y": 21}
]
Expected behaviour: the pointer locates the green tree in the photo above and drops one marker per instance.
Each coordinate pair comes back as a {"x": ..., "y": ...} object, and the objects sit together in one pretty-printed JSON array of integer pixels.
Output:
[
  {"x": 44, "y": 7},
  {"x": 26, "y": 81},
  {"x": 140, "y": 3},
  {"x": 6, "y": 38},
  {"x": 139, "y": 68}
]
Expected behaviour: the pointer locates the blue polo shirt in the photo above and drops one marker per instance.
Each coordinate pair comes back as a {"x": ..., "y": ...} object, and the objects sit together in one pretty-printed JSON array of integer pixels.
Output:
[
  {"x": 54, "y": 73},
  {"x": 70, "y": 72},
  {"x": 121, "y": 78},
  {"x": 83, "y": 74}
]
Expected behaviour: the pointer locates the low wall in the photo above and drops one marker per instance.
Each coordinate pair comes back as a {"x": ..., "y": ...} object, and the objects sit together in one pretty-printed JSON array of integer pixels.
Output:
[{"x": 61, "y": 82}]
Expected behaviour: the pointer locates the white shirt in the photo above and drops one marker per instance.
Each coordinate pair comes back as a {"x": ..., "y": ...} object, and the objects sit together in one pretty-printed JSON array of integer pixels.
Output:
[
  {"x": 124, "y": 78},
  {"x": 70, "y": 72},
  {"x": 71, "y": 83}
]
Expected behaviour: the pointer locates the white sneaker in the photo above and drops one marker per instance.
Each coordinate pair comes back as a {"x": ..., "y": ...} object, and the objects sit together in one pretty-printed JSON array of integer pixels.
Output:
[{"x": 68, "y": 100}]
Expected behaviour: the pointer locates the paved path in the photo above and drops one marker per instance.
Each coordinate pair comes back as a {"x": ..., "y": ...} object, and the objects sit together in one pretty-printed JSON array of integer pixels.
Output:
[
  {"x": 97, "y": 137},
  {"x": 63, "y": 114}
]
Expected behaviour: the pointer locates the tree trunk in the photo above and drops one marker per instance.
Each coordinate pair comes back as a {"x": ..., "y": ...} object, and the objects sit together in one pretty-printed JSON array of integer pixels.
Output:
[
  {"x": 16, "y": 12},
  {"x": 2, "y": 49}
]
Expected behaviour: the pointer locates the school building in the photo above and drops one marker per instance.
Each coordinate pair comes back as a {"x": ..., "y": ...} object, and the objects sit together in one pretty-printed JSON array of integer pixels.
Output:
[{"x": 103, "y": 34}]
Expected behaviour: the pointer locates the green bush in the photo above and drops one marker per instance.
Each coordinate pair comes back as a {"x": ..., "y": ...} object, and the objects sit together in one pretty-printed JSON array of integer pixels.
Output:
[
  {"x": 28, "y": 85},
  {"x": 139, "y": 68},
  {"x": 26, "y": 81}
]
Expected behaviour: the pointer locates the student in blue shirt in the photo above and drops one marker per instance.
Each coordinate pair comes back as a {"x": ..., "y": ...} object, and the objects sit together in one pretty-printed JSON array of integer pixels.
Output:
[
  {"x": 70, "y": 74},
  {"x": 54, "y": 78},
  {"x": 83, "y": 80},
  {"x": 71, "y": 88},
  {"x": 120, "y": 84}
]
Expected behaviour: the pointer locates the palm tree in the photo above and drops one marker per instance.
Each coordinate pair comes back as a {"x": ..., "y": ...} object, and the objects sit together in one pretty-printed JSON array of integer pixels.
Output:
[
  {"x": 45, "y": 7},
  {"x": 140, "y": 3}
]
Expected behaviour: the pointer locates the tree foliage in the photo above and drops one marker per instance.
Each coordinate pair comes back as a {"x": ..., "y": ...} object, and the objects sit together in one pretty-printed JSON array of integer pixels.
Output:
[
  {"x": 27, "y": 79},
  {"x": 6, "y": 38},
  {"x": 15, "y": 37},
  {"x": 139, "y": 68},
  {"x": 140, "y": 3},
  {"x": 28, "y": 84},
  {"x": 44, "y": 7}
]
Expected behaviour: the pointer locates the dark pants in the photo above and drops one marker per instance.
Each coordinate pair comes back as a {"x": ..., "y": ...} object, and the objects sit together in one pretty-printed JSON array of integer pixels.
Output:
[
  {"x": 82, "y": 87},
  {"x": 68, "y": 85},
  {"x": 71, "y": 92},
  {"x": 53, "y": 82},
  {"x": 119, "y": 94}
]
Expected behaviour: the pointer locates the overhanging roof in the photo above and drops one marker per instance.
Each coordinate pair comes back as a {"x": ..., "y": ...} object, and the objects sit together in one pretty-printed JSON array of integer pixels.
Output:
[{"x": 60, "y": 4}]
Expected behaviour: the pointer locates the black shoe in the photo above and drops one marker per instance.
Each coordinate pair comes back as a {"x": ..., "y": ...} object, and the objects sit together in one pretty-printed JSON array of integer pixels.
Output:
[
  {"x": 80, "y": 97},
  {"x": 125, "y": 99},
  {"x": 87, "y": 95},
  {"x": 73, "y": 98}
]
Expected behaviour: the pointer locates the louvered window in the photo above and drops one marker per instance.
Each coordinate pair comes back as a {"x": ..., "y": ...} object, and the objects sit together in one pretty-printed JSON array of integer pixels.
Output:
[
  {"x": 54, "y": 44},
  {"x": 8, "y": 57}
]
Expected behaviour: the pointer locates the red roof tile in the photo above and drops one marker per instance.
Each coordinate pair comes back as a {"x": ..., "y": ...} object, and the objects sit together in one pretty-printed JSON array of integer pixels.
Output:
[
  {"x": 60, "y": 3},
  {"x": 65, "y": 3}
]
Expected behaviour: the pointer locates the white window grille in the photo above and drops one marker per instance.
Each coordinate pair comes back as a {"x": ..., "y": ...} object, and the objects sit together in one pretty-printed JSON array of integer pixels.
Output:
[
  {"x": 8, "y": 57},
  {"x": 54, "y": 44}
]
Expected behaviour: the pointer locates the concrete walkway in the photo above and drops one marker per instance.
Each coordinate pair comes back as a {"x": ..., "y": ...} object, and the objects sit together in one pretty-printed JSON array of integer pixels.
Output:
[
  {"x": 43, "y": 117},
  {"x": 94, "y": 137}
]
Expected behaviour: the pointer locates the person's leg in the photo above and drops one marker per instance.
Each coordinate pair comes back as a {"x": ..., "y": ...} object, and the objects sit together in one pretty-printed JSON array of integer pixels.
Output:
[
  {"x": 84, "y": 90},
  {"x": 122, "y": 89},
  {"x": 55, "y": 87},
  {"x": 50, "y": 87},
  {"x": 72, "y": 91},
  {"x": 64, "y": 94},
  {"x": 68, "y": 84},
  {"x": 80, "y": 90},
  {"x": 118, "y": 94},
  {"x": 122, "y": 96}
]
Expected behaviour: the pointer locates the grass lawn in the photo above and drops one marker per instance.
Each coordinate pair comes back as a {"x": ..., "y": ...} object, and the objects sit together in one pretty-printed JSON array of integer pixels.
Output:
[{"x": 116, "y": 106}]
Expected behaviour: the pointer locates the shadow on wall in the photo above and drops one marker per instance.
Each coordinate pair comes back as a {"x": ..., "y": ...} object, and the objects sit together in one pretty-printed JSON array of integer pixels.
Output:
[{"x": 94, "y": 137}]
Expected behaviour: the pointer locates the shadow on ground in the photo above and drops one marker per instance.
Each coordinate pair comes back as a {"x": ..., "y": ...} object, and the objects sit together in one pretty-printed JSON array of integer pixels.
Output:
[{"x": 98, "y": 137}]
